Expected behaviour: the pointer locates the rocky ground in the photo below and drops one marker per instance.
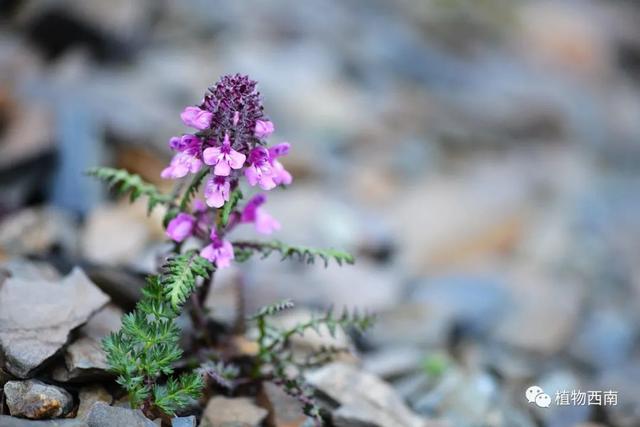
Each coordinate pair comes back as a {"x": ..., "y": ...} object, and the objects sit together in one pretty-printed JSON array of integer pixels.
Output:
[{"x": 479, "y": 158}]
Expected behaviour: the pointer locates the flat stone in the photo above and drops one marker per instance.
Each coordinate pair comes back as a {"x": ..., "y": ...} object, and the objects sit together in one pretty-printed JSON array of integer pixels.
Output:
[
  {"x": 184, "y": 421},
  {"x": 84, "y": 358},
  {"x": 364, "y": 393},
  {"x": 103, "y": 240},
  {"x": 103, "y": 415},
  {"x": 7, "y": 421},
  {"x": 37, "y": 230},
  {"x": 284, "y": 410},
  {"x": 36, "y": 400},
  {"x": 394, "y": 361},
  {"x": 236, "y": 412},
  {"x": 36, "y": 317},
  {"x": 90, "y": 395}
]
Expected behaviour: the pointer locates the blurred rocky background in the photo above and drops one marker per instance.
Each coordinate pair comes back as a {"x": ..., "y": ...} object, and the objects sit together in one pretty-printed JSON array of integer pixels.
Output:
[{"x": 480, "y": 157}]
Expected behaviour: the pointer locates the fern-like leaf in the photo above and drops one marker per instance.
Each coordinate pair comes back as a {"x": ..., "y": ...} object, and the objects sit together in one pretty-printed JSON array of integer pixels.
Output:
[
  {"x": 272, "y": 309},
  {"x": 192, "y": 189},
  {"x": 229, "y": 206},
  {"x": 124, "y": 182},
  {"x": 179, "y": 274},
  {"x": 245, "y": 249}
]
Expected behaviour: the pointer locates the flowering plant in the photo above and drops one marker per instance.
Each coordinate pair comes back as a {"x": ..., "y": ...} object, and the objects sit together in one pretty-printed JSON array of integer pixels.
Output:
[{"x": 227, "y": 151}]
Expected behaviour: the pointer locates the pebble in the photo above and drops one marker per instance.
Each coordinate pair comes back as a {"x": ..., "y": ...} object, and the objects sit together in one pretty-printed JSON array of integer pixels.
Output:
[
  {"x": 37, "y": 400},
  {"x": 364, "y": 393},
  {"x": 236, "y": 412},
  {"x": 103, "y": 415}
]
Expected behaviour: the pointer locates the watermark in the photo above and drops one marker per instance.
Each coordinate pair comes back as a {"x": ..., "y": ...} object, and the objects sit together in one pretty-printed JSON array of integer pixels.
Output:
[{"x": 536, "y": 395}]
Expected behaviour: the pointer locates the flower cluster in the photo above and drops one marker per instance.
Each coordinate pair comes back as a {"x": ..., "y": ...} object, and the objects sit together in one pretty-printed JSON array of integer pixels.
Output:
[{"x": 230, "y": 141}]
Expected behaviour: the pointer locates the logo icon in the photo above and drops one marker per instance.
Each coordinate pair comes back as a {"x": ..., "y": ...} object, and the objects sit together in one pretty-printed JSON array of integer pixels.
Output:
[{"x": 535, "y": 394}]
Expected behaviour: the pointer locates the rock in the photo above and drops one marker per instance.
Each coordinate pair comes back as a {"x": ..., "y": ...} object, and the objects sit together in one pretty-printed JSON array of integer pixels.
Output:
[
  {"x": 446, "y": 235},
  {"x": 543, "y": 315},
  {"x": 363, "y": 393},
  {"x": 37, "y": 400},
  {"x": 29, "y": 270},
  {"x": 236, "y": 412},
  {"x": 7, "y": 421},
  {"x": 36, "y": 317},
  {"x": 114, "y": 235},
  {"x": 103, "y": 415},
  {"x": 183, "y": 421},
  {"x": 222, "y": 299},
  {"x": 90, "y": 395},
  {"x": 38, "y": 230},
  {"x": 284, "y": 410},
  {"x": 459, "y": 397},
  {"x": 84, "y": 358},
  {"x": 474, "y": 303},
  {"x": 555, "y": 415},
  {"x": 606, "y": 339},
  {"x": 624, "y": 381},
  {"x": 393, "y": 361}
]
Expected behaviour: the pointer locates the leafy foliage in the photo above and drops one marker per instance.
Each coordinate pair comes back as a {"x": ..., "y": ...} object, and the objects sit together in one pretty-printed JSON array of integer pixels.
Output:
[
  {"x": 179, "y": 274},
  {"x": 146, "y": 347},
  {"x": 228, "y": 207},
  {"x": 124, "y": 182},
  {"x": 192, "y": 189},
  {"x": 274, "y": 351},
  {"x": 245, "y": 249},
  {"x": 270, "y": 310},
  {"x": 222, "y": 373}
]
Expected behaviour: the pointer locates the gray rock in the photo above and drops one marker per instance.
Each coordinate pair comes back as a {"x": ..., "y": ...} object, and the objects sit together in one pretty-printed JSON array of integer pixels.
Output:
[
  {"x": 393, "y": 361},
  {"x": 84, "y": 358},
  {"x": 237, "y": 412},
  {"x": 7, "y": 421},
  {"x": 459, "y": 397},
  {"x": 90, "y": 395},
  {"x": 606, "y": 339},
  {"x": 284, "y": 410},
  {"x": 364, "y": 393},
  {"x": 36, "y": 317},
  {"x": 36, "y": 400},
  {"x": 103, "y": 415},
  {"x": 102, "y": 240},
  {"x": 36, "y": 230},
  {"x": 183, "y": 421}
]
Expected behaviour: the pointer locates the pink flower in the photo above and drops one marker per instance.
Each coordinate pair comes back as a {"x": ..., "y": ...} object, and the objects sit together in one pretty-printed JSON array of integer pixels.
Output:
[
  {"x": 280, "y": 174},
  {"x": 218, "y": 251},
  {"x": 196, "y": 118},
  {"x": 263, "y": 222},
  {"x": 181, "y": 227},
  {"x": 259, "y": 170},
  {"x": 181, "y": 165},
  {"x": 263, "y": 129},
  {"x": 216, "y": 191},
  {"x": 224, "y": 158},
  {"x": 188, "y": 143}
]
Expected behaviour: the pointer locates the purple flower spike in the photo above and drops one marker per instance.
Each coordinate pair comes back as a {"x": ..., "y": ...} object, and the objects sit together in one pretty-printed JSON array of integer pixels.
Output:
[
  {"x": 181, "y": 227},
  {"x": 196, "y": 118},
  {"x": 263, "y": 222},
  {"x": 181, "y": 165},
  {"x": 280, "y": 174},
  {"x": 224, "y": 158},
  {"x": 260, "y": 171},
  {"x": 218, "y": 251},
  {"x": 216, "y": 191},
  {"x": 264, "y": 128}
]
